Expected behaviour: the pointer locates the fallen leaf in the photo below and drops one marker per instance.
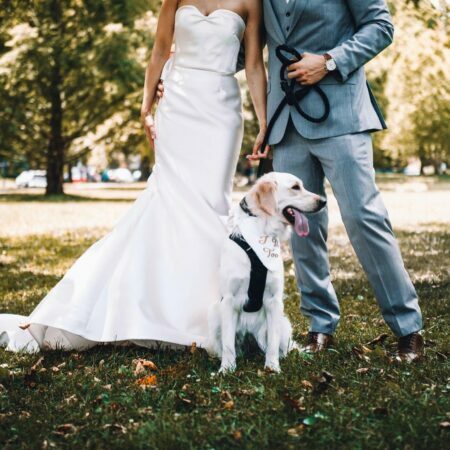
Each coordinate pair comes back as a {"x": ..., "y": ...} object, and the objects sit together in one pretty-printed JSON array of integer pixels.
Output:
[
  {"x": 322, "y": 381},
  {"x": 226, "y": 396},
  {"x": 296, "y": 404},
  {"x": 378, "y": 340},
  {"x": 360, "y": 352},
  {"x": 296, "y": 431},
  {"x": 71, "y": 400},
  {"x": 363, "y": 370},
  {"x": 65, "y": 429},
  {"x": 307, "y": 384},
  {"x": 237, "y": 435},
  {"x": 115, "y": 426},
  {"x": 228, "y": 405},
  {"x": 249, "y": 392},
  {"x": 37, "y": 364},
  {"x": 142, "y": 365},
  {"x": 147, "y": 381}
]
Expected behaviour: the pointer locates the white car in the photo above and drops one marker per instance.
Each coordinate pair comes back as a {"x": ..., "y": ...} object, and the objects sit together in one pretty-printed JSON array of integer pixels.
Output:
[
  {"x": 121, "y": 175},
  {"x": 32, "y": 179}
]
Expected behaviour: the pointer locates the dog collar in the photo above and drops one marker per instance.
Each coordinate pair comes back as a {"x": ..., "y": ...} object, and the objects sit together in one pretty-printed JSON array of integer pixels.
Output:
[{"x": 244, "y": 206}]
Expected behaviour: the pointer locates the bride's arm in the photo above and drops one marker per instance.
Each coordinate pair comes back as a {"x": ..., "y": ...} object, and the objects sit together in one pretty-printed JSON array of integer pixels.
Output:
[
  {"x": 160, "y": 54},
  {"x": 256, "y": 72}
]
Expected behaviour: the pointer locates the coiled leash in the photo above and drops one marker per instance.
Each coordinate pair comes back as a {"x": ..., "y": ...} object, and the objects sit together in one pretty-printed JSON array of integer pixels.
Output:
[{"x": 293, "y": 95}]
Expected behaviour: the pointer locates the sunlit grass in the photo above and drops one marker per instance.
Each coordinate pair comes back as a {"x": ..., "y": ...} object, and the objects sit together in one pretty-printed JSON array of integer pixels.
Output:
[{"x": 365, "y": 400}]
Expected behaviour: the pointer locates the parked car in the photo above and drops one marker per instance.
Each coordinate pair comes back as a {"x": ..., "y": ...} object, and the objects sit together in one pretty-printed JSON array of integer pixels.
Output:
[
  {"x": 121, "y": 175},
  {"x": 32, "y": 179}
]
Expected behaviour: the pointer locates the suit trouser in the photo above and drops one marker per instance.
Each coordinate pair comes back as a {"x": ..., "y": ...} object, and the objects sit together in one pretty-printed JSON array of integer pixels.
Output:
[{"x": 347, "y": 162}]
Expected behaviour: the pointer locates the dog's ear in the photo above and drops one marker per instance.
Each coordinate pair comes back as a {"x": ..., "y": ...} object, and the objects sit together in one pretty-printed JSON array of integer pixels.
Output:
[{"x": 265, "y": 197}]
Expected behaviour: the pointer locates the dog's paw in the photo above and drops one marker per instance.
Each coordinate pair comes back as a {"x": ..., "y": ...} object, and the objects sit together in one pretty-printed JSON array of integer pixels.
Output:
[
  {"x": 272, "y": 366},
  {"x": 227, "y": 368}
]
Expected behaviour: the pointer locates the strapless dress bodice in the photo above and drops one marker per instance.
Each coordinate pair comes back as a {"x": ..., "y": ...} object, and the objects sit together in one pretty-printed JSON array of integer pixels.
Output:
[{"x": 209, "y": 42}]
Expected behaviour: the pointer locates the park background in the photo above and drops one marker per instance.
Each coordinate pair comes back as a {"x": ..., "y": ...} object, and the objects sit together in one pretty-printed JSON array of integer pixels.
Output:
[{"x": 71, "y": 77}]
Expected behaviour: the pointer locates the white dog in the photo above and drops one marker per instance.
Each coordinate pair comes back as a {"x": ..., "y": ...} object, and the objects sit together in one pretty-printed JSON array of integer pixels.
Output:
[{"x": 251, "y": 272}]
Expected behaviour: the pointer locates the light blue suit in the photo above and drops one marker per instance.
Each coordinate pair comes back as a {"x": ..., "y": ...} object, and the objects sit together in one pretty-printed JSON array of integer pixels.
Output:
[{"x": 352, "y": 32}]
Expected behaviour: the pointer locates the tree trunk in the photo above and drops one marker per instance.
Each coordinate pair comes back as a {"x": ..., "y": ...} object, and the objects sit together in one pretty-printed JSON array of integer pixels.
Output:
[{"x": 55, "y": 150}]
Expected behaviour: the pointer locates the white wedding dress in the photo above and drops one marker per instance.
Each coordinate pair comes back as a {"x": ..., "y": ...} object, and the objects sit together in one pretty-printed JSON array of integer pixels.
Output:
[{"x": 153, "y": 277}]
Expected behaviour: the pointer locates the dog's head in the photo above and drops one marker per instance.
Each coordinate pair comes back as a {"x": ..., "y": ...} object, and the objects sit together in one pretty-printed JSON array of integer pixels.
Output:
[{"x": 282, "y": 195}]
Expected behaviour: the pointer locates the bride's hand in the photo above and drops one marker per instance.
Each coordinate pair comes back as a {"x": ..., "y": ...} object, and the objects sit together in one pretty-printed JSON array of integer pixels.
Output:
[
  {"x": 149, "y": 127},
  {"x": 257, "y": 154}
]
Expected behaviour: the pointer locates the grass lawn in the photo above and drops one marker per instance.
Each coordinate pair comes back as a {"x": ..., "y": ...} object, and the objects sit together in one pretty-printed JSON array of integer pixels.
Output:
[{"x": 354, "y": 396}]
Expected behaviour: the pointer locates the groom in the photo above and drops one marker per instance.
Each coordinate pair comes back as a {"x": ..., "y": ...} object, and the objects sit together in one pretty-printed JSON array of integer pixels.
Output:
[{"x": 337, "y": 38}]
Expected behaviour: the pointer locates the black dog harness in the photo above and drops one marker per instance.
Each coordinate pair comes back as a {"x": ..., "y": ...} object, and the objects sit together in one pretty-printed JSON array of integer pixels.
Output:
[
  {"x": 258, "y": 271},
  {"x": 293, "y": 95}
]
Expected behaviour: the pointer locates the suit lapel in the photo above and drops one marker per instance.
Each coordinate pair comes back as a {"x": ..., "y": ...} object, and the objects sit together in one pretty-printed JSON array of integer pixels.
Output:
[
  {"x": 299, "y": 7},
  {"x": 272, "y": 19}
]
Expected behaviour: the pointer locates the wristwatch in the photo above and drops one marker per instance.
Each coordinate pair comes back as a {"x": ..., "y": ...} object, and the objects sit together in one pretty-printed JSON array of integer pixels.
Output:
[{"x": 330, "y": 63}]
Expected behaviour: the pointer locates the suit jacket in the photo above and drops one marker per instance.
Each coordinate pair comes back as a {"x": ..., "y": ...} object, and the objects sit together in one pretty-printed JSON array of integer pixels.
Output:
[{"x": 352, "y": 32}]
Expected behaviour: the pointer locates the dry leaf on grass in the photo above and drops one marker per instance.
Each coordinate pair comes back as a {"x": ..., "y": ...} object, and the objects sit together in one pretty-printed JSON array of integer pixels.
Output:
[
  {"x": 71, "y": 400},
  {"x": 65, "y": 429},
  {"x": 148, "y": 381},
  {"x": 295, "y": 403},
  {"x": 37, "y": 364},
  {"x": 142, "y": 365},
  {"x": 307, "y": 384},
  {"x": 228, "y": 405},
  {"x": 115, "y": 427},
  {"x": 237, "y": 435},
  {"x": 363, "y": 370},
  {"x": 378, "y": 340},
  {"x": 296, "y": 431}
]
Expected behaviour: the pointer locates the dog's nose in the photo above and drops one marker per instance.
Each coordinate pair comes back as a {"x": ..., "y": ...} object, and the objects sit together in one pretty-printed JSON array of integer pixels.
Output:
[{"x": 322, "y": 202}]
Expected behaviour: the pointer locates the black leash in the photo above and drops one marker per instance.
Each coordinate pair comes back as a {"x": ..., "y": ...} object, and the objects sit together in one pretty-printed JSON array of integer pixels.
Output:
[{"x": 293, "y": 95}]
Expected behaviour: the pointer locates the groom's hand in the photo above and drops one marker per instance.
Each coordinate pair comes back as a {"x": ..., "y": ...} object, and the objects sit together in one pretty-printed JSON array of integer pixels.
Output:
[{"x": 309, "y": 70}]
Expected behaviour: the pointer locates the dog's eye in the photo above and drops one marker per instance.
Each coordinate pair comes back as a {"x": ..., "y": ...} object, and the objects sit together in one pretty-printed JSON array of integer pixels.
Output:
[{"x": 296, "y": 187}]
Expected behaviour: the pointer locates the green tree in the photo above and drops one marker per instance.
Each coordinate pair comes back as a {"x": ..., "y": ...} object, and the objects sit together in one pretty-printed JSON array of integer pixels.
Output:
[
  {"x": 416, "y": 87},
  {"x": 70, "y": 72}
]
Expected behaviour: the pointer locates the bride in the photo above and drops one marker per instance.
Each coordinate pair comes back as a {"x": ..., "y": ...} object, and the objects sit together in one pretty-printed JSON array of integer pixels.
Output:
[{"x": 153, "y": 277}]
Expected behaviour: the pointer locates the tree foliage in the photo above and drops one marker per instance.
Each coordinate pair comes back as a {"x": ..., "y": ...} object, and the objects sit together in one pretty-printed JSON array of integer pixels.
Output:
[
  {"x": 69, "y": 71},
  {"x": 416, "y": 88}
]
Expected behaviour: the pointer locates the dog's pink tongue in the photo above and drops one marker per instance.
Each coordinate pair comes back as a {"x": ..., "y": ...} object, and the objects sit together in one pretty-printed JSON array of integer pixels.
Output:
[{"x": 301, "y": 226}]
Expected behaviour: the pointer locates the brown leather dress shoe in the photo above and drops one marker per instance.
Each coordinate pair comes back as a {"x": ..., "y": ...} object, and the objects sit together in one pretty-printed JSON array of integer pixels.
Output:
[
  {"x": 316, "y": 342},
  {"x": 410, "y": 347}
]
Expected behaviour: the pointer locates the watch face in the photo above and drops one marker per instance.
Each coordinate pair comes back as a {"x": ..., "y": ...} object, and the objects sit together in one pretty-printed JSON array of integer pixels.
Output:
[{"x": 331, "y": 65}]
